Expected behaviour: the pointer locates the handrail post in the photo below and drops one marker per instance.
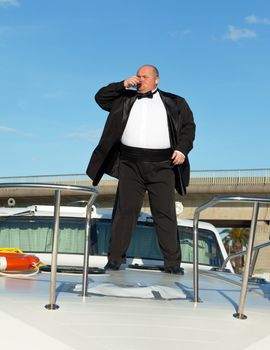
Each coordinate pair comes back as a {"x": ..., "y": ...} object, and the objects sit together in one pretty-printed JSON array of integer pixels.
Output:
[
  {"x": 87, "y": 244},
  {"x": 240, "y": 312},
  {"x": 195, "y": 259},
  {"x": 57, "y": 200},
  {"x": 253, "y": 263},
  {"x": 52, "y": 305},
  {"x": 195, "y": 248}
]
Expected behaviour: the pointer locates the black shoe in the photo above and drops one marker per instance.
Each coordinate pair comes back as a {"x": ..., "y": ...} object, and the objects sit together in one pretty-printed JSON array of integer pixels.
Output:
[
  {"x": 112, "y": 266},
  {"x": 176, "y": 270}
]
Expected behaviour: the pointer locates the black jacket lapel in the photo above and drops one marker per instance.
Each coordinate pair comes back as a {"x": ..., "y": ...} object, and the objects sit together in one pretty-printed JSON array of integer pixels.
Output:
[{"x": 127, "y": 105}]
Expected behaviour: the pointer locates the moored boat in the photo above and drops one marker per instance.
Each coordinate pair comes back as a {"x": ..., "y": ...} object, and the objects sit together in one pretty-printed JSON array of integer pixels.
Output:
[{"x": 138, "y": 307}]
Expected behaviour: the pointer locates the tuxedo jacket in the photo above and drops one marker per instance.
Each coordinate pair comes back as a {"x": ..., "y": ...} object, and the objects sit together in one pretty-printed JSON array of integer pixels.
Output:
[{"x": 118, "y": 101}]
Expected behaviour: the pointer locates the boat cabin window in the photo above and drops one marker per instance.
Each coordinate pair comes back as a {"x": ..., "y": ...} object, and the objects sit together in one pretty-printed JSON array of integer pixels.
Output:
[
  {"x": 34, "y": 234},
  {"x": 144, "y": 243}
]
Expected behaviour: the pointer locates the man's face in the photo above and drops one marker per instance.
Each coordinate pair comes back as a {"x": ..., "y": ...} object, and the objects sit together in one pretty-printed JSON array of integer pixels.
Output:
[{"x": 148, "y": 79}]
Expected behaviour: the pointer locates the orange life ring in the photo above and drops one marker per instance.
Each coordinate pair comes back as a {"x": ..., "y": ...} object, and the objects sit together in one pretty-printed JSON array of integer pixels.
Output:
[{"x": 18, "y": 262}]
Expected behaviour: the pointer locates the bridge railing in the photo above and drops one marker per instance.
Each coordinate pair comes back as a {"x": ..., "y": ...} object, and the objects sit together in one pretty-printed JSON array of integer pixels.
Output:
[
  {"x": 198, "y": 177},
  {"x": 230, "y": 177},
  {"x": 72, "y": 179}
]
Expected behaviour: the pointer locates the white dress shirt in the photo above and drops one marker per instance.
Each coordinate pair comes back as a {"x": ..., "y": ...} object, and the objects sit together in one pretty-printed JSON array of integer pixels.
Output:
[{"x": 147, "y": 125}]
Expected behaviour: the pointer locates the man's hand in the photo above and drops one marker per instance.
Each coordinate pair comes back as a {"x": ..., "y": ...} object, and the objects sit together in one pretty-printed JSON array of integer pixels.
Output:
[
  {"x": 132, "y": 82},
  {"x": 178, "y": 158}
]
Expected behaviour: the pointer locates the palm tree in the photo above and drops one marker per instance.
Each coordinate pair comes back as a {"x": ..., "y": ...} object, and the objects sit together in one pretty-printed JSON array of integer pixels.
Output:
[{"x": 234, "y": 242}]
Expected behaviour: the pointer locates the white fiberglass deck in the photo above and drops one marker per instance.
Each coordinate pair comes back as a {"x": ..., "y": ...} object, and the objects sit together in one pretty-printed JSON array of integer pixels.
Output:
[{"x": 134, "y": 319}]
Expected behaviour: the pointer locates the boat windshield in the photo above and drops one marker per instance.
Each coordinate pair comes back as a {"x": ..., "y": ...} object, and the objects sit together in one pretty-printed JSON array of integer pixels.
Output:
[{"x": 34, "y": 235}]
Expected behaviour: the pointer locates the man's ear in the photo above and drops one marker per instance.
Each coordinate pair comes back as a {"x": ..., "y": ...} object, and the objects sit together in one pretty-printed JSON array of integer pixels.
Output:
[{"x": 157, "y": 80}]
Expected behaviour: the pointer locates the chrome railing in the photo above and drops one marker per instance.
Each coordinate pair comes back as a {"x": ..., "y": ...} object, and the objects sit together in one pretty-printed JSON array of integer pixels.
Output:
[
  {"x": 255, "y": 251},
  {"x": 256, "y": 202},
  {"x": 57, "y": 201}
]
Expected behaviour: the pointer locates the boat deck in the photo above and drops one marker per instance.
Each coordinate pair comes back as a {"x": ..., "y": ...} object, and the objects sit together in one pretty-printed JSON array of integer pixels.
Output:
[{"x": 131, "y": 310}]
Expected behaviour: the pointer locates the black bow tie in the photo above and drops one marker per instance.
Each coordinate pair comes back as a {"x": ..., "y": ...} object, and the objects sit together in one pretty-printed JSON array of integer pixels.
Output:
[{"x": 148, "y": 94}]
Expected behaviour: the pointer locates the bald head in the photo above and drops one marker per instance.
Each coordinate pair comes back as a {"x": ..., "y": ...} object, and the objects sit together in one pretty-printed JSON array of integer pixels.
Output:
[
  {"x": 149, "y": 78},
  {"x": 150, "y": 66}
]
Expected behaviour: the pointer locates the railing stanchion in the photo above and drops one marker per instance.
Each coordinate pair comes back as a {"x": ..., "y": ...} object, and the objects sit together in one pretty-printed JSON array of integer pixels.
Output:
[
  {"x": 195, "y": 249},
  {"x": 52, "y": 302},
  {"x": 254, "y": 260},
  {"x": 195, "y": 260},
  {"x": 240, "y": 313},
  {"x": 57, "y": 201},
  {"x": 87, "y": 244},
  {"x": 249, "y": 265}
]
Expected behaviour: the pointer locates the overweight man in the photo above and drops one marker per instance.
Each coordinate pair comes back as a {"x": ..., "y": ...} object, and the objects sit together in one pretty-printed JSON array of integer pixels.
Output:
[{"x": 145, "y": 144}]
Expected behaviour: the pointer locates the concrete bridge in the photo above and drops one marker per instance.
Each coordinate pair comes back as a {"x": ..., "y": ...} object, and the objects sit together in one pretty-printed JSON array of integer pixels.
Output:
[{"x": 204, "y": 185}]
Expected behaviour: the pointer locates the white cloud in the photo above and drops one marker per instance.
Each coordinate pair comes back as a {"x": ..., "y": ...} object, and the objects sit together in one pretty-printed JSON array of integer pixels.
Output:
[
  {"x": 89, "y": 135},
  {"x": 186, "y": 32},
  {"x": 252, "y": 19},
  {"x": 6, "y": 130},
  {"x": 179, "y": 33},
  {"x": 236, "y": 34},
  {"x": 6, "y": 3}
]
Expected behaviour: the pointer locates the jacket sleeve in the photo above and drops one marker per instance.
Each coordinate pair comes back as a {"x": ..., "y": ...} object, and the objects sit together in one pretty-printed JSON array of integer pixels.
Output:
[
  {"x": 187, "y": 129},
  {"x": 108, "y": 94}
]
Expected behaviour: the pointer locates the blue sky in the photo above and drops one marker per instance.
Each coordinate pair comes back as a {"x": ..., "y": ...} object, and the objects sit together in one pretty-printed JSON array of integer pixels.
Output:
[{"x": 56, "y": 54}]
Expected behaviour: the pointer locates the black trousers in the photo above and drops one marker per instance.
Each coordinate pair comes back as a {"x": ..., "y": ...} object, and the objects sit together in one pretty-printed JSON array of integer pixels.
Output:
[{"x": 137, "y": 177}]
